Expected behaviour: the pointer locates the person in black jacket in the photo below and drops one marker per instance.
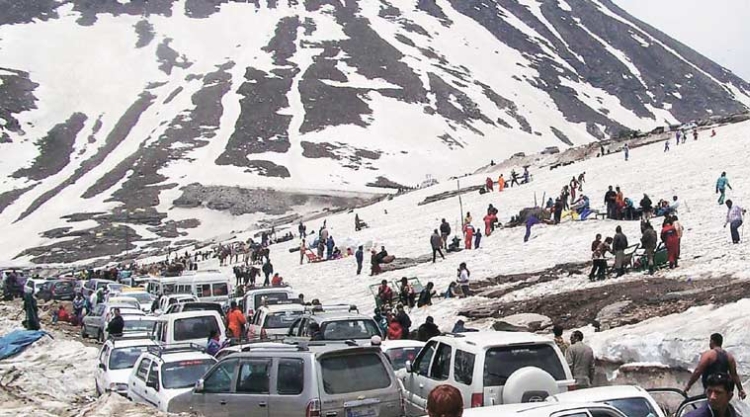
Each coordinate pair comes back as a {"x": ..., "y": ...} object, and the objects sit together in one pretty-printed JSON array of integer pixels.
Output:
[
  {"x": 445, "y": 231},
  {"x": 359, "y": 256},
  {"x": 404, "y": 320},
  {"x": 647, "y": 207},
  {"x": 619, "y": 245},
  {"x": 437, "y": 243},
  {"x": 425, "y": 297},
  {"x": 428, "y": 330},
  {"x": 267, "y": 271},
  {"x": 609, "y": 199},
  {"x": 116, "y": 325}
]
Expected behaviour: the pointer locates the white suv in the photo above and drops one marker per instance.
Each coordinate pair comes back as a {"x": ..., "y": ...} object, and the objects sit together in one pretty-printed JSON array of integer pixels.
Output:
[
  {"x": 162, "y": 373},
  {"x": 116, "y": 360},
  {"x": 188, "y": 327},
  {"x": 489, "y": 368},
  {"x": 274, "y": 320}
]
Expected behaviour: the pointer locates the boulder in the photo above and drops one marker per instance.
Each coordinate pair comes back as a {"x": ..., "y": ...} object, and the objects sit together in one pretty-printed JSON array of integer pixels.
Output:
[
  {"x": 524, "y": 322},
  {"x": 611, "y": 314}
]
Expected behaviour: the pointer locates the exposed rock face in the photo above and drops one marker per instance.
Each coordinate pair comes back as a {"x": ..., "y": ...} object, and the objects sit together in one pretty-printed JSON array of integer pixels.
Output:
[{"x": 308, "y": 95}]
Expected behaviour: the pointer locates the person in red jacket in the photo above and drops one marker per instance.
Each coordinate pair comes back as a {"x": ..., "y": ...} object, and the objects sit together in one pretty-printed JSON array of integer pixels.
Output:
[
  {"x": 488, "y": 183},
  {"x": 671, "y": 241},
  {"x": 488, "y": 219},
  {"x": 395, "y": 331},
  {"x": 468, "y": 235}
]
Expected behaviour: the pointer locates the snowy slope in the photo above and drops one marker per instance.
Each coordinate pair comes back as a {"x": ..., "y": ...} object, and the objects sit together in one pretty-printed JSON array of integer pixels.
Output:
[{"x": 122, "y": 105}]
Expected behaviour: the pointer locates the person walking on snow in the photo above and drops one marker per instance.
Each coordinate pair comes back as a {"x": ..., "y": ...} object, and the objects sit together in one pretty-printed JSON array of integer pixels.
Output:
[
  {"x": 669, "y": 237},
  {"x": 716, "y": 361},
  {"x": 530, "y": 222},
  {"x": 468, "y": 235},
  {"x": 666, "y": 146},
  {"x": 445, "y": 231},
  {"x": 734, "y": 220},
  {"x": 359, "y": 255},
  {"x": 626, "y": 150},
  {"x": 477, "y": 238},
  {"x": 721, "y": 185},
  {"x": 513, "y": 178},
  {"x": 609, "y": 200},
  {"x": 619, "y": 245},
  {"x": 500, "y": 183},
  {"x": 463, "y": 278},
  {"x": 648, "y": 241},
  {"x": 437, "y": 243},
  {"x": 488, "y": 183}
]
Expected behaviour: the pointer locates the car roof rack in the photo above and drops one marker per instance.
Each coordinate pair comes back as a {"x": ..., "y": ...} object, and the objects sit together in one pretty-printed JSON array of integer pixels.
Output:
[
  {"x": 160, "y": 350},
  {"x": 330, "y": 308},
  {"x": 451, "y": 334},
  {"x": 137, "y": 335}
]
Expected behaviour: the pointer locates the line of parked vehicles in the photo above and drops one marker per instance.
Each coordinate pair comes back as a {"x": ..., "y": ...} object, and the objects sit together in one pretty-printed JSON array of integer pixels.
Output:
[{"x": 277, "y": 370}]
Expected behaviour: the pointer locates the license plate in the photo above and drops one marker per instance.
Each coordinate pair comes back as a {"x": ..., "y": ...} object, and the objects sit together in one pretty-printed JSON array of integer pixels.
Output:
[{"x": 363, "y": 411}]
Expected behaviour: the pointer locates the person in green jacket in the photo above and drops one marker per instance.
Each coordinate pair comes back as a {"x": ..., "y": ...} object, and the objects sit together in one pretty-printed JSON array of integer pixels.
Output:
[{"x": 721, "y": 185}]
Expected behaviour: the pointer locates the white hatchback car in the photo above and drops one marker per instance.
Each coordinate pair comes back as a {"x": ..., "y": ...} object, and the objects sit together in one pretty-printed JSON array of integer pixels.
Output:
[
  {"x": 632, "y": 400},
  {"x": 162, "y": 373},
  {"x": 544, "y": 409},
  {"x": 489, "y": 368},
  {"x": 274, "y": 320},
  {"x": 116, "y": 360}
]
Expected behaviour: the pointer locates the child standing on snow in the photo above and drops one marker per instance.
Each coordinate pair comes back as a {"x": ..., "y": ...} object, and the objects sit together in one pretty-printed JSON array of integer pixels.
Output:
[{"x": 666, "y": 145}]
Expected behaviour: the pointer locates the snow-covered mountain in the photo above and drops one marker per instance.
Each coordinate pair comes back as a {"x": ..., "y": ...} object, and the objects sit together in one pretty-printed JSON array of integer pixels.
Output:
[{"x": 159, "y": 120}]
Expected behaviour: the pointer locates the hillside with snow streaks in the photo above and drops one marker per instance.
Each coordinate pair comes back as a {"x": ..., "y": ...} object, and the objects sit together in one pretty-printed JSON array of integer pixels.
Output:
[{"x": 133, "y": 124}]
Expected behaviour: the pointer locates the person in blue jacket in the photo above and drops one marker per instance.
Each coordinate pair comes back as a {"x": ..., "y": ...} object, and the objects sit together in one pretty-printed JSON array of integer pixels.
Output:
[{"x": 721, "y": 185}]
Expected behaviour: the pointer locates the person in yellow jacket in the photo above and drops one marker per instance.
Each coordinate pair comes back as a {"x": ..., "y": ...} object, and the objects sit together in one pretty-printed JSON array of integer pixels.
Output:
[{"x": 500, "y": 183}]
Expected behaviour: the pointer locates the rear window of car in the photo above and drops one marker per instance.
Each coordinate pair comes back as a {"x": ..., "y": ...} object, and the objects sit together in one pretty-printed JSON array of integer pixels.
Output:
[
  {"x": 184, "y": 374},
  {"x": 281, "y": 319},
  {"x": 124, "y": 358},
  {"x": 194, "y": 328},
  {"x": 344, "y": 374},
  {"x": 399, "y": 356},
  {"x": 633, "y": 407},
  {"x": 64, "y": 286},
  {"x": 138, "y": 325},
  {"x": 501, "y": 362},
  {"x": 291, "y": 377},
  {"x": 271, "y": 297},
  {"x": 202, "y": 307},
  {"x": 349, "y": 329}
]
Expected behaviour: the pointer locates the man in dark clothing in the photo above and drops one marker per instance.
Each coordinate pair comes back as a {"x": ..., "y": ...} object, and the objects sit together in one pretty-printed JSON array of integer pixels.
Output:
[
  {"x": 425, "y": 297},
  {"x": 716, "y": 361},
  {"x": 404, "y": 320},
  {"x": 31, "y": 310},
  {"x": 558, "y": 210},
  {"x": 460, "y": 328},
  {"x": 719, "y": 393},
  {"x": 609, "y": 199},
  {"x": 513, "y": 178},
  {"x": 597, "y": 241},
  {"x": 267, "y": 271},
  {"x": 359, "y": 256},
  {"x": 619, "y": 245},
  {"x": 647, "y": 207},
  {"x": 314, "y": 331},
  {"x": 437, "y": 243},
  {"x": 649, "y": 241},
  {"x": 428, "y": 330},
  {"x": 116, "y": 325},
  {"x": 445, "y": 231}
]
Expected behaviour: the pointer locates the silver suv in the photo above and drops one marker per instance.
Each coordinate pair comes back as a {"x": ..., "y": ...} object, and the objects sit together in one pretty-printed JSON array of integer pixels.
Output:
[
  {"x": 335, "y": 323},
  {"x": 305, "y": 380}
]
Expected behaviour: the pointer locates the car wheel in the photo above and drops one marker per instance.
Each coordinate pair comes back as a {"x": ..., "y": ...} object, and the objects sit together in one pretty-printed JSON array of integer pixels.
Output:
[{"x": 83, "y": 332}]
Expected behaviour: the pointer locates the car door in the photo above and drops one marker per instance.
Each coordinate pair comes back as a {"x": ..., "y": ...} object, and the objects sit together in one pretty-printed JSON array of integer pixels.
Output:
[
  {"x": 288, "y": 396},
  {"x": 137, "y": 388},
  {"x": 252, "y": 390},
  {"x": 216, "y": 396},
  {"x": 100, "y": 374},
  {"x": 440, "y": 370},
  {"x": 414, "y": 382},
  {"x": 93, "y": 320},
  {"x": 152, "y": 386}
]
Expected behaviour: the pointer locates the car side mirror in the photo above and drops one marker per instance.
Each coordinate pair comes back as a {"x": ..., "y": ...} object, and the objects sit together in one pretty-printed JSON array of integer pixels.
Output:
[
  {"x": 103, "y": 367},
  {"x": 153, "y": 384},
  {"x": 408, "y": 367},
  {"x": 199, "y": 385}
]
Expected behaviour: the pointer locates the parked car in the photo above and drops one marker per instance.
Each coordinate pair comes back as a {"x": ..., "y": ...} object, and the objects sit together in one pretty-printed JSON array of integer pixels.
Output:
[
  {"x": 287, "y": 381},
  {"x": 122, "y": 300},
  {"x": 335, "y": 325},
  {"x": 34, "y": 284},
  {"x": 169, "y": 300},
  {"x": 95, "y": 324},
  {"x": 188, "y": 327},
  {"x": 401, "y": 351},
  {"x": 162, "y": 373},
  {"x": 196, "y": 306},
  {"x": 274, "y": 320},
  {"x": 544, "y": 409},
  {"x": 256, "y": 297},
  {"x": 144, "y": 298},
  {"x": 631, "y": 400},
  {"x": 489, "y": 368},
  {"x": 116, "y": 360},
  {"x": 137, "y": 325},
  {"x": 61, "y": 290},
  {"x": 93, "y": 285}
]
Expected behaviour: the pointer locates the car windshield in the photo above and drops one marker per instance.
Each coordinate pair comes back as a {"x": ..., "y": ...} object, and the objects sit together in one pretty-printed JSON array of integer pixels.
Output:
[
  {"x": 142, "y": 325},
  {"x": 184, "y": 374},
  {"x": 281, "y": 319},
  {"x": 349, "y": 329},
  {"x": 124, "y": 358},
  {"x": 501, "y": 362},
  {"x": 271, "y": 297},
  {"x": 343, "y": 374},
  {"x": 115, "y": 287},
  {"x": 633, "y": 407},
  {"x": 101, "y": 284},
  {"x": 125, "y": 301},
  {"x": 64, "y": 286},
  {"x": 194, "y": 328},
  {"x": 399, "y": 356}
]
